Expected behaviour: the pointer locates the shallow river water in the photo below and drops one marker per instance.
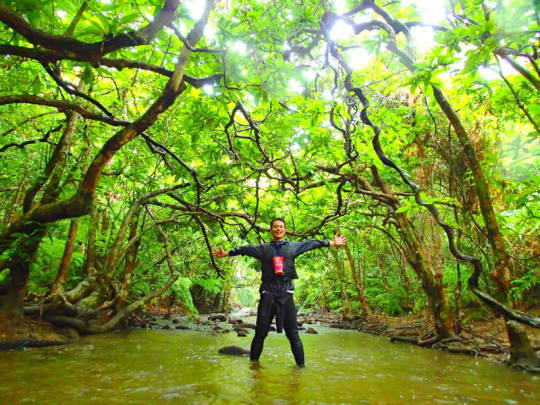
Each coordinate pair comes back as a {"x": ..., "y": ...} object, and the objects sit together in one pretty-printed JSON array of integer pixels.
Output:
[{"x": 183, "y": 366}]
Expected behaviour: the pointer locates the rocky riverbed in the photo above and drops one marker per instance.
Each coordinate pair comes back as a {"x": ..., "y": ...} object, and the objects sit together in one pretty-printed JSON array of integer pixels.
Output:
[
  {"x": 242, "y": 323},
  {"x": 486, "y": 339}
]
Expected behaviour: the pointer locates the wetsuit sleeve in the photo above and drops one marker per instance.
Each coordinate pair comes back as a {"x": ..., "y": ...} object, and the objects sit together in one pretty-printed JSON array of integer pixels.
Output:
[
  {"x": 301, "y": 247},
  {"x": 255, "y": 251}
]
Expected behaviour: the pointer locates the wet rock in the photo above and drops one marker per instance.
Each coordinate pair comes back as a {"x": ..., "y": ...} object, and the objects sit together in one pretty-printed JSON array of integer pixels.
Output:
[
  {"x": 341, "y": 325},
  {"x": 311, "y": 330},
  {"x": 249, "y": 325},
  {"x": 167, "y": 327},
  {"x": 220, "y": 329},
  {"x": 459, "y": 348},
  {"x": 301, "y": 328},
  {"x": 243, "y": 312},
  {"x": 492, "y": 348},
  {"x": 299, "y": 323},
  {"x": 218, "y": 317},
  {"x": 175, "y": 320},
  {"x": 71, "y": 334},
  {"x": 234, "y": 351},
  {"x": 235, "y": 321},
  {"x": 242, "y": 332},
  {"x": 182, "y": 327}
]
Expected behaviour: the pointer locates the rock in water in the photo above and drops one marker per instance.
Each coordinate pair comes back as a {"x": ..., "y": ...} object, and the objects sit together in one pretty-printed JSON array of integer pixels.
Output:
[
  {"x": 311, "y": 330},
  {"x": 242, "y": 332},
  {"x": 234, "y": 351},
  {"x": 217, "y": 317}
]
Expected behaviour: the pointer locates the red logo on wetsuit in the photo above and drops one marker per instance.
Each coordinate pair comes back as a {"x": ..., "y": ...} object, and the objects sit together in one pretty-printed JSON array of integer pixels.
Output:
[{"x": 278, "y": 262}]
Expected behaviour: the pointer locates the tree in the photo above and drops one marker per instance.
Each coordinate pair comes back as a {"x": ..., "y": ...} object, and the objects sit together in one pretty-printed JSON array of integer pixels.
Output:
[{"x": 22, "y": 237}]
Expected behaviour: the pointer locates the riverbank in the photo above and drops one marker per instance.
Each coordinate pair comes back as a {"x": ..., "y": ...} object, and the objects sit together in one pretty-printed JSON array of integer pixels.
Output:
[{"x": 17, "y": 334}]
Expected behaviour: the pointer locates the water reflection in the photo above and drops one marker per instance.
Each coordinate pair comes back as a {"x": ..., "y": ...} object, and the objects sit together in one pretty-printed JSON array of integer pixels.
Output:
[{"x": 282, "y": 385}]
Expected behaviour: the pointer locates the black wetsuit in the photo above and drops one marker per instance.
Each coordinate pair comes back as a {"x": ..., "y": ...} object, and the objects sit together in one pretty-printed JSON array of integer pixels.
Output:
[{"x": 277, "y": 291}]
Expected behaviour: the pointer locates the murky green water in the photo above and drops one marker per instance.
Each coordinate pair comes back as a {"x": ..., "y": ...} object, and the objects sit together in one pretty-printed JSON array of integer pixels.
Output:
[{"x": 343, "y": 367}]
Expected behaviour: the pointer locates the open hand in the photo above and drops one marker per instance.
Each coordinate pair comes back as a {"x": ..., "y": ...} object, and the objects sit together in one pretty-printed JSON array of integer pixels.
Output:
[
  {"x": 339, "y": 240},
  {"x": 219, "y": 253}
]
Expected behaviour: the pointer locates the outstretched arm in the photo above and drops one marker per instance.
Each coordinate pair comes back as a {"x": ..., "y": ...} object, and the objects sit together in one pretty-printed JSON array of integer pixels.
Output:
[
  {"x": 310, "y": 244},
  {"x": 248, "y": 250}
]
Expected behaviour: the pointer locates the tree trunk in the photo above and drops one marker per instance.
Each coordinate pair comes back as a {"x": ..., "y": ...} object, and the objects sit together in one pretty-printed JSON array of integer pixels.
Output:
[
  {"x": 402, "y": 265},
  {"x": 502, "y": 274},
  {"x": 358, "y": 280},
  {"x": 28, "y": 243},
  {"x": 63, "y": 270},
  {"x": 130, "y": 265},
  {"x": 340, "y": 272},
  {"x": 522, "y": 355},
  {"x": 13, "y": 290},
  {"x": 32, "y": 233},
  {"x": 90, "y": 260},
  {"x": 15, "y": 202},
  {"x": 431, "y": 282},
  {"x": 226, "y": 292}
]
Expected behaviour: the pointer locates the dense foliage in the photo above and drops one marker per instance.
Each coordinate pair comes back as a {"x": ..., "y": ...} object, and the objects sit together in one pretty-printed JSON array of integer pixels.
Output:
[{"x": 266, "y": 123}]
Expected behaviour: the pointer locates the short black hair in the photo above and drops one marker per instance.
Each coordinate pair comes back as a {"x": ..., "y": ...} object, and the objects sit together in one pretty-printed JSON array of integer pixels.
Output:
[{"x": 277, "y": 219}]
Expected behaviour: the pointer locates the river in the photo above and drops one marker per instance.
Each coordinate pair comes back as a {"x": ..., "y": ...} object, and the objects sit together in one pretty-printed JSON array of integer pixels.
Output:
[{"x": 183, "y": 366}]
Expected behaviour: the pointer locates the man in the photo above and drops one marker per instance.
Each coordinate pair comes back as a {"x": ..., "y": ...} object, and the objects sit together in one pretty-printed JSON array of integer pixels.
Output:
[{"x": 278, "y": 271}]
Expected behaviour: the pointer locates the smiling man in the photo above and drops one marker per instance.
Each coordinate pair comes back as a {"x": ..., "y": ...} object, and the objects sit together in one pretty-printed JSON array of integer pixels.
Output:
[{"x": 278, "y": 272}]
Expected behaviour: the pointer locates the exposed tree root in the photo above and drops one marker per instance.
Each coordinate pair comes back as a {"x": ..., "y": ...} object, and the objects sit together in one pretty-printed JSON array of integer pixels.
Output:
[
  {"x": 406, "y": 339},
  {"x": 17, "y": 334},
  {"x": 522, "y": 355},
  {"x": 428, "y": 342}
]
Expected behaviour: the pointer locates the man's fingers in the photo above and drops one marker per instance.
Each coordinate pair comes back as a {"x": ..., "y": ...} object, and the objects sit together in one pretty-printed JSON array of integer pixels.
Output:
[{"x": 218, "y": 252}]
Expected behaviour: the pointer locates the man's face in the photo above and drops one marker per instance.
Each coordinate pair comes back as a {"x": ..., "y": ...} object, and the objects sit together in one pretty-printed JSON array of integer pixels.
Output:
[{"x": 278, "y": 230}]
